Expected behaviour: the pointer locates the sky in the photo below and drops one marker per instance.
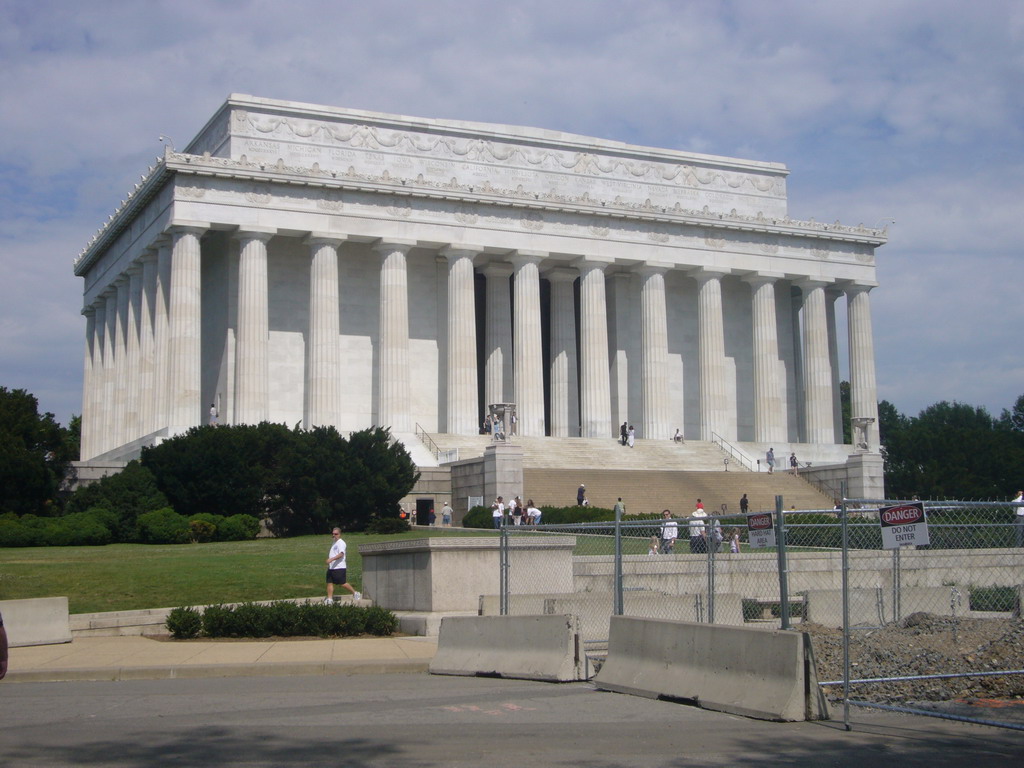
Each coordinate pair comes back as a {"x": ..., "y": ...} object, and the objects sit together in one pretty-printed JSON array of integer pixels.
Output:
[{"x": 905, "y": 115}]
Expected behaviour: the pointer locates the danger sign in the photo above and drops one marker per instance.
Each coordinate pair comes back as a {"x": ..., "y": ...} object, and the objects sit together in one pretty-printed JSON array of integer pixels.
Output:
[
  {"x": 760, "y": 530},
  {"x": 903, "y": 525}
]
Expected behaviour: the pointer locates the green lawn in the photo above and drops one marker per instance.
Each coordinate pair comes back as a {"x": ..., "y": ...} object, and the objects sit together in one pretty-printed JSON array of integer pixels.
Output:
[{"x": 131, "y": 576}]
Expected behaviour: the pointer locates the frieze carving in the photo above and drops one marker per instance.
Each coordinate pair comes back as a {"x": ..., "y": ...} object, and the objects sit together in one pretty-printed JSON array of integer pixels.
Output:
[
  {"x": 599, "y": 231},
  {"x": 258, "y": 194},
  {"x": 769, "y": 246},
  {"x": 658, "y": 234},
  {"x": 194, "y": 192},
  {"x": 330, "y": 200},
  {"x": 820, "y": 253},
  {"x": 400, "y": 209},
  {"x": 466, "y": 213},
  {"x": 713, "y": 242},
  {"x": 498, "y": 152},
  {"x": 532, "y": 220}
]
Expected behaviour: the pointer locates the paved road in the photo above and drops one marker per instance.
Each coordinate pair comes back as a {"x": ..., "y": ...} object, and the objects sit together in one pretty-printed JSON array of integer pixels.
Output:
[{"x": 417, "y": 721}]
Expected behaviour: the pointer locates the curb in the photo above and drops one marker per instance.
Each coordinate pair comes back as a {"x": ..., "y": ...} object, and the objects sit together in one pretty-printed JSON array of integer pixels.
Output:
[{"x": 194, "y": 671}]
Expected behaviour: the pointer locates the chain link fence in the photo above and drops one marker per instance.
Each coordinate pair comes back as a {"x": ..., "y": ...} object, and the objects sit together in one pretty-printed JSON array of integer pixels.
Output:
[{"x": 905, "y": 612}]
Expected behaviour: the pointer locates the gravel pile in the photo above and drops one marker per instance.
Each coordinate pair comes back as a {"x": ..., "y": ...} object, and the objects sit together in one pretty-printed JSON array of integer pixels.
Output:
[{"x": 924, "y": 644}]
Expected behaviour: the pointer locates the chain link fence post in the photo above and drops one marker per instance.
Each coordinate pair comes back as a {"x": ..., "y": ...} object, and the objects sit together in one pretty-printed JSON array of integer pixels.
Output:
[
  {"x": 617, "y": 607},
  {"x": 503, "y": 565},
  {"x": 845, "y": 540},
  {"x": 780, "y": 549}
]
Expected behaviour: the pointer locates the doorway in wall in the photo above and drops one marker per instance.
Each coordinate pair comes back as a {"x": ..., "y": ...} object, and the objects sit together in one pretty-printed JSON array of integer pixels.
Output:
[{"x": 423, "y": 507}]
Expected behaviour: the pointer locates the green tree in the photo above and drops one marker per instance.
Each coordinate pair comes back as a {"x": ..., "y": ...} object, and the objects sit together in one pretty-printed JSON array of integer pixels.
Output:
[
  {"x": 34, "y": 456},
  {"x": 1014, "y": 419},
  {"x": 300, "y": 481},
  {"x": 128, "y": 495},
  {"x": 950, "y": 450},
  {"x": 844, "y": 402}
]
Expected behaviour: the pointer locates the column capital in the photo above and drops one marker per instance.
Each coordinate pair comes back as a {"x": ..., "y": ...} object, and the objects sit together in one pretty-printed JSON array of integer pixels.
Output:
[
  {"x": 182, "y": 226},
  {"x": 314, "y": 239},
  {"x": 390, "y": 246},
  {"x": 521, "y": 258},
  {"x": 703, "y": 274},
  {"x": 852, "y": 288},
  {"x": 460, "y": 251},
  {"x": 497, "y": 269},
  {"x": 561, "y": 274},
  {"x": 88, "y": 310},
  {"x": 592, "y": 262},
  {"x": 810, "y": 283},
  {"x": 648, "y": 268},
  {"x": 148, "y": 255},
  {"x": 263, "y": 234},
  {"x": 756, "y": 279}
]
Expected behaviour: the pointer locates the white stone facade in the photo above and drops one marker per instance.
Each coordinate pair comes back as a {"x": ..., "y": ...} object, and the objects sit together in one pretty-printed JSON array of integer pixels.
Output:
[{"x": 314, "y": 265}]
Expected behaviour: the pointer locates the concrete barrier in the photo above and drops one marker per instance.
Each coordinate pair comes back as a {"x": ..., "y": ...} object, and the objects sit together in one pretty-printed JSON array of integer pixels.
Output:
[
  {"x": 37, "y": 621},
  {"x": 764, "y": 674},
  {"x": 520, "y": 647},
  {"x": 594, "y": 608},
  {"x": 825, "y": 607}
]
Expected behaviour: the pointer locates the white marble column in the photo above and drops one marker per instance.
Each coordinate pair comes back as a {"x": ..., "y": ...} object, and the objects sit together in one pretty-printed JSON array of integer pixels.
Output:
[
  {"x": 252, "y": 374},
  {"x": 85, "y": 443},
  {"x": 161, "y": 334},
  {"x": 714, "y": 401},
  {"x": 565, "y": 402},
  {"x": 323, "y": 367},
  {"x": 769, "y": 426},
  {"x": 498, "y": 335},
  {"x": 595, "y": 384},
  {"x": 109, "y": 297},
  {"x": 120, "y": 436},
  {"x": 393, "y": 408},
  {"x": 527, "y": 347},
  {"x": 461, "y": 371},
  {"x": 183, "y": 330},
  {"x": 817, "y": 368},
  {"x": 133, "y": 430},
  {"x": 620, "y": 305},
  {"x": 833, "y": 363},
  {"x": 863, "y": 393},
  {"x": 147, "y": 370},
  {"x": 654, "y": 352}
]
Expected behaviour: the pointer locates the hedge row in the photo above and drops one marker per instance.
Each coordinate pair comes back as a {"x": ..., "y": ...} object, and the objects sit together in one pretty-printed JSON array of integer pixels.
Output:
[
  {"x": 281, "y": 619},
  {"x": 97, "y": 526}
]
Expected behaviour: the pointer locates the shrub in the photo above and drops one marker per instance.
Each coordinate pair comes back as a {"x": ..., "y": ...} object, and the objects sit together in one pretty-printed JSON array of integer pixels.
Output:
[
  {"x": 994, "y": 599},
  {"x": 127, "y": 495},
  {"x": 165, "y": 526},
  {"x": 282, "y": 619},
  {"x": 200, "y": 531},
  {"x": 238, "y": 528},
  {"x": 380, "y": 621},
  {"x": 184, "y": 623},
  {"x": 388, "y": 525}
]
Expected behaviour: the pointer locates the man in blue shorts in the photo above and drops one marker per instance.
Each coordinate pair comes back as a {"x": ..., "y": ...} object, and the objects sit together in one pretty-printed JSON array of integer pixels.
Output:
[{"x": 337, "y": 570}]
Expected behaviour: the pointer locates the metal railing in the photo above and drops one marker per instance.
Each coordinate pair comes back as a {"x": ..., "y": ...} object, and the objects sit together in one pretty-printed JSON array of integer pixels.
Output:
[
  {"x": 442, "y": 457},
  {"x": 733, "y": 451}
]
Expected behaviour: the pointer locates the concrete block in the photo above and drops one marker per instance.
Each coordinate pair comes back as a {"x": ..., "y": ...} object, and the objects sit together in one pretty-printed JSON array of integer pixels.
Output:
[
  {"x": 37, "y": 621},
  {"x": 520, "y": 647},
  {"x": 764, "y": 674},
  {"x": 825, "y": 607}
]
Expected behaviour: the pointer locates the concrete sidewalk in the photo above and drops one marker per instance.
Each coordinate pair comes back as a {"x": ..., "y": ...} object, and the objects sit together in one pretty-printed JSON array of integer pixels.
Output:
[{"x": 147, "y": 658}]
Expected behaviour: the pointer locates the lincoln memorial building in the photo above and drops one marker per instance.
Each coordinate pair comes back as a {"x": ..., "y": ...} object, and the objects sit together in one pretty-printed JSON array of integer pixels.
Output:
[{"x": 313, "y": 265}]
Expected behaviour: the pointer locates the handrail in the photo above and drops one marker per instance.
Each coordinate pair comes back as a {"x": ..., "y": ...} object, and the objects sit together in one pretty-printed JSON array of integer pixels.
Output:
[
  {"x": 732, "y": 450},
  {"x": 421, "y": 433},
  {"x": 428, "y": 441}
]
